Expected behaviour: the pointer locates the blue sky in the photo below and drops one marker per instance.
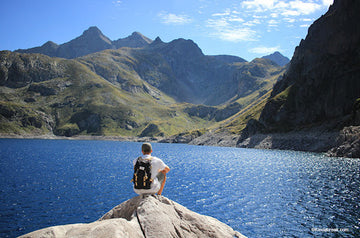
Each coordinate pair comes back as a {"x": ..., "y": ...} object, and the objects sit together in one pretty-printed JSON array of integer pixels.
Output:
[{"x": 245, "y": 28}]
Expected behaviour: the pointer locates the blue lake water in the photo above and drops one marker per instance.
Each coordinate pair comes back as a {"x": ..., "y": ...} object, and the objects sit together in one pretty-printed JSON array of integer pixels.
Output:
[{"x": 260, "y": 193}]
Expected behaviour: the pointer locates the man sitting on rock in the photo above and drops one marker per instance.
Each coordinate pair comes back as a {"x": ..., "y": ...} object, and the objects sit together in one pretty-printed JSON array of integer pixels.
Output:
[{"x": 149, "y": 172}]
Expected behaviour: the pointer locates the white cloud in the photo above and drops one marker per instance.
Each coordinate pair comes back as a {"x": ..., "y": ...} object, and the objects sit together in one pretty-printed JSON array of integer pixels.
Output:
[
  {"x": 304, "y": 8},
  {"x": 217, "y": 24},
  {"x": 273, "y": 22},
  {"x": 305, "y": 25},
  {"x": 259, "y": 5},
  {"x": 264, "y": 50},
  {"x": 226, "y": 13},
  {"x": 281, "y": 7},
  {"x": 117, "y": 2},
  {"x": 173, "y": 19},
  {"x": 236, "y": 35},
  {"x": 290, "y": 20},
  {"x": 223, "y": 30},
  {"x": 252, "y": 23},
  {"x": 236, "y": 19},
  {"x": 327, "y": 2}
]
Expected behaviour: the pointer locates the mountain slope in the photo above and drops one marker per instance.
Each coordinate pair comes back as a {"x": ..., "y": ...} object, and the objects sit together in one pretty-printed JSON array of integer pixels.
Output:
[
  {"x": 150, "y": 91},
  {"x": 78, "y": 101},
  {"x": 148, "y": 88}
]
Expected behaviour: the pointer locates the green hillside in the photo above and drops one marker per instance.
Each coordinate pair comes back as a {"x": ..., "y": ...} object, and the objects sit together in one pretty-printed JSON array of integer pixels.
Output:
[{"x": 125, "y": 92}]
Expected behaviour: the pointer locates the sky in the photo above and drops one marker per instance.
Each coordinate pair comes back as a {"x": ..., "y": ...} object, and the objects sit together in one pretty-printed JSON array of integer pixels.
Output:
[{"x": 245, "y": 28}]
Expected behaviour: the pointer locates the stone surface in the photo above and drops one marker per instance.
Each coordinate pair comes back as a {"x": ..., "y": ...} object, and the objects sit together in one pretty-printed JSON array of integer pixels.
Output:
[
  {"x": 149, "y": 216},
  {"x": 348, "y": 143}
]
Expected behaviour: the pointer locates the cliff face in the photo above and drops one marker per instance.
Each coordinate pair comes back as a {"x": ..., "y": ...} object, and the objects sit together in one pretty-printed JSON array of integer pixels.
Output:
[
  {"x": 315, "y": 106},
  {"x": 151, "y": 216},
  {"x": 322, "y": 83}
]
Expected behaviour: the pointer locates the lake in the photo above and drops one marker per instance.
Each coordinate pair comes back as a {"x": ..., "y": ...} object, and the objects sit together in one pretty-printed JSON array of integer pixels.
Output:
[{"x": 260, "y": 193}]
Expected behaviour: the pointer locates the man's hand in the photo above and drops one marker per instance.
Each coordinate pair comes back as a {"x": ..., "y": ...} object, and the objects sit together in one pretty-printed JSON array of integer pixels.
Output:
[{"x": 164, "y": 171}]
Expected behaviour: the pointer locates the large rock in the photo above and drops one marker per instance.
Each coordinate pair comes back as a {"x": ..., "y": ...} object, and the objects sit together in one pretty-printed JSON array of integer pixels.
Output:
[{"x": 149, "y": 216}]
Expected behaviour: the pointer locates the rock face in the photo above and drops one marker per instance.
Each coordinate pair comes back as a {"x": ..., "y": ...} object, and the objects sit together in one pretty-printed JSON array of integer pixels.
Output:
[
  {"x": 322, "y": 83},
  {"x": 320, "y": 91},
  {"x": 149, "y": 216}
]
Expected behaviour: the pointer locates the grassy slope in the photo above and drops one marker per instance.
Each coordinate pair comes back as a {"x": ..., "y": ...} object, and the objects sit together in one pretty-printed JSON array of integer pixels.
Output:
[
  {"x": 84, "y": 91},
  {"x": 103, "y": 94}
]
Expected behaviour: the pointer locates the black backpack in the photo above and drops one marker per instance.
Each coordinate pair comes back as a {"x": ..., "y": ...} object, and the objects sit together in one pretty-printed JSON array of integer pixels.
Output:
[{"x": 142, "y": 174}]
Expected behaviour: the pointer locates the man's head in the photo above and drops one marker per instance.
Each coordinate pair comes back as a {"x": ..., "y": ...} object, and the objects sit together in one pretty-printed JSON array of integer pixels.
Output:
[{"x": 146, "y": 148}]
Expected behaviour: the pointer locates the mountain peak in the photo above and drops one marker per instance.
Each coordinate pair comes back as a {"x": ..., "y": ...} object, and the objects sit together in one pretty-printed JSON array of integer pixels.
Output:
[
  {"x": 278, "y": 58},
  {"x": 90, "y": 41},
  {"x": 93, "y": 30},
  {"x": 139, "y": 37},
  {"x": 135, "y": 40},
  {"x": 188, "y": 47},
  {"x": 157, "y": 42},
  {"x": 94, "y": 34}
]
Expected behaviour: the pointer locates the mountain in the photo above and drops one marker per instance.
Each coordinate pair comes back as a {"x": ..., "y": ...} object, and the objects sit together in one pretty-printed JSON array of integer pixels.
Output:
[
  {"x": 182, "y": 71},
  {"x": 278, "y": 58},
  {"x": 135, "y": 40},
  {"x": 320, "y": 92},
  {"x": 322, "y": 83},
  {"x": 161, "y": 89},
  {"x": 92, "y": 40},
  {"x": 229, "y": 59}
]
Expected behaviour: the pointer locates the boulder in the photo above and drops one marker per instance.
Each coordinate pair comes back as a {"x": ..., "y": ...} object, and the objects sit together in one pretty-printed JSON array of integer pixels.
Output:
[{"x": 144, "y": 216}]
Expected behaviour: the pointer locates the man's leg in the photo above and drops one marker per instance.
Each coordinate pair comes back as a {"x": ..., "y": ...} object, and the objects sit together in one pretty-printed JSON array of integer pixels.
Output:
[{"x": 162, "y": 180}]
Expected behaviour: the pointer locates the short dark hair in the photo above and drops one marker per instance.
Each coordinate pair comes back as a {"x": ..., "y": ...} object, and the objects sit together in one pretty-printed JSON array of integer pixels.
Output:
[{"x": 146, "y": 148}]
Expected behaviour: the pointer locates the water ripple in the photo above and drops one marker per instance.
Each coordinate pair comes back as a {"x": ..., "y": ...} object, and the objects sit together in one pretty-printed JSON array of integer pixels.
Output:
[{"x": 260, "y": 193}]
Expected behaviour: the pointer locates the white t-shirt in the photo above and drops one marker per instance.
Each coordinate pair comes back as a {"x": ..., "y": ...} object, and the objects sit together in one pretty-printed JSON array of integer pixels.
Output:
[{"x": 156, "y": 166}]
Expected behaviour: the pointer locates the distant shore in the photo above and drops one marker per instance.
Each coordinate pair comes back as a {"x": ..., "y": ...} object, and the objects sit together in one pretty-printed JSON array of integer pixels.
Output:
[
  {"x": 81, "y": 137},
  {"x": 344, "y": 143}
]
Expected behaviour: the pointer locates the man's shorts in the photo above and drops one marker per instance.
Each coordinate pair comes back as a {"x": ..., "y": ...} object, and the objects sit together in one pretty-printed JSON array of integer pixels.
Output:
[{"x": 160, "y": 176}]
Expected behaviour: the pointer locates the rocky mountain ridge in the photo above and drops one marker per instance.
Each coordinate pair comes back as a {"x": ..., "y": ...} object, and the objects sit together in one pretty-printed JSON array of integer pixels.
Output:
[{"x": 92, "y": 40}]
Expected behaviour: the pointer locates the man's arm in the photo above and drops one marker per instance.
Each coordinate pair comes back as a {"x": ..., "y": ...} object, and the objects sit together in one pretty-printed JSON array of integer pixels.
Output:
[{"x": 164, "y": 172}]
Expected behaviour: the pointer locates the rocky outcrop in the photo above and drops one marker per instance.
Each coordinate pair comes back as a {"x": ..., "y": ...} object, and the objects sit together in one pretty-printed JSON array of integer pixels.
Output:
[
  {"x": 149, "y": 216},
  {"x": 348, "y": 143},
  {"x": 18, "y": 70}
]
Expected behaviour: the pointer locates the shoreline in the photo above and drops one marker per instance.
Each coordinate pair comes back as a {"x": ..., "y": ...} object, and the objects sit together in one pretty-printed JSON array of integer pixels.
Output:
[
  {"x": 343, "y": 143},
  {"x": 81, "y": 137}
]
